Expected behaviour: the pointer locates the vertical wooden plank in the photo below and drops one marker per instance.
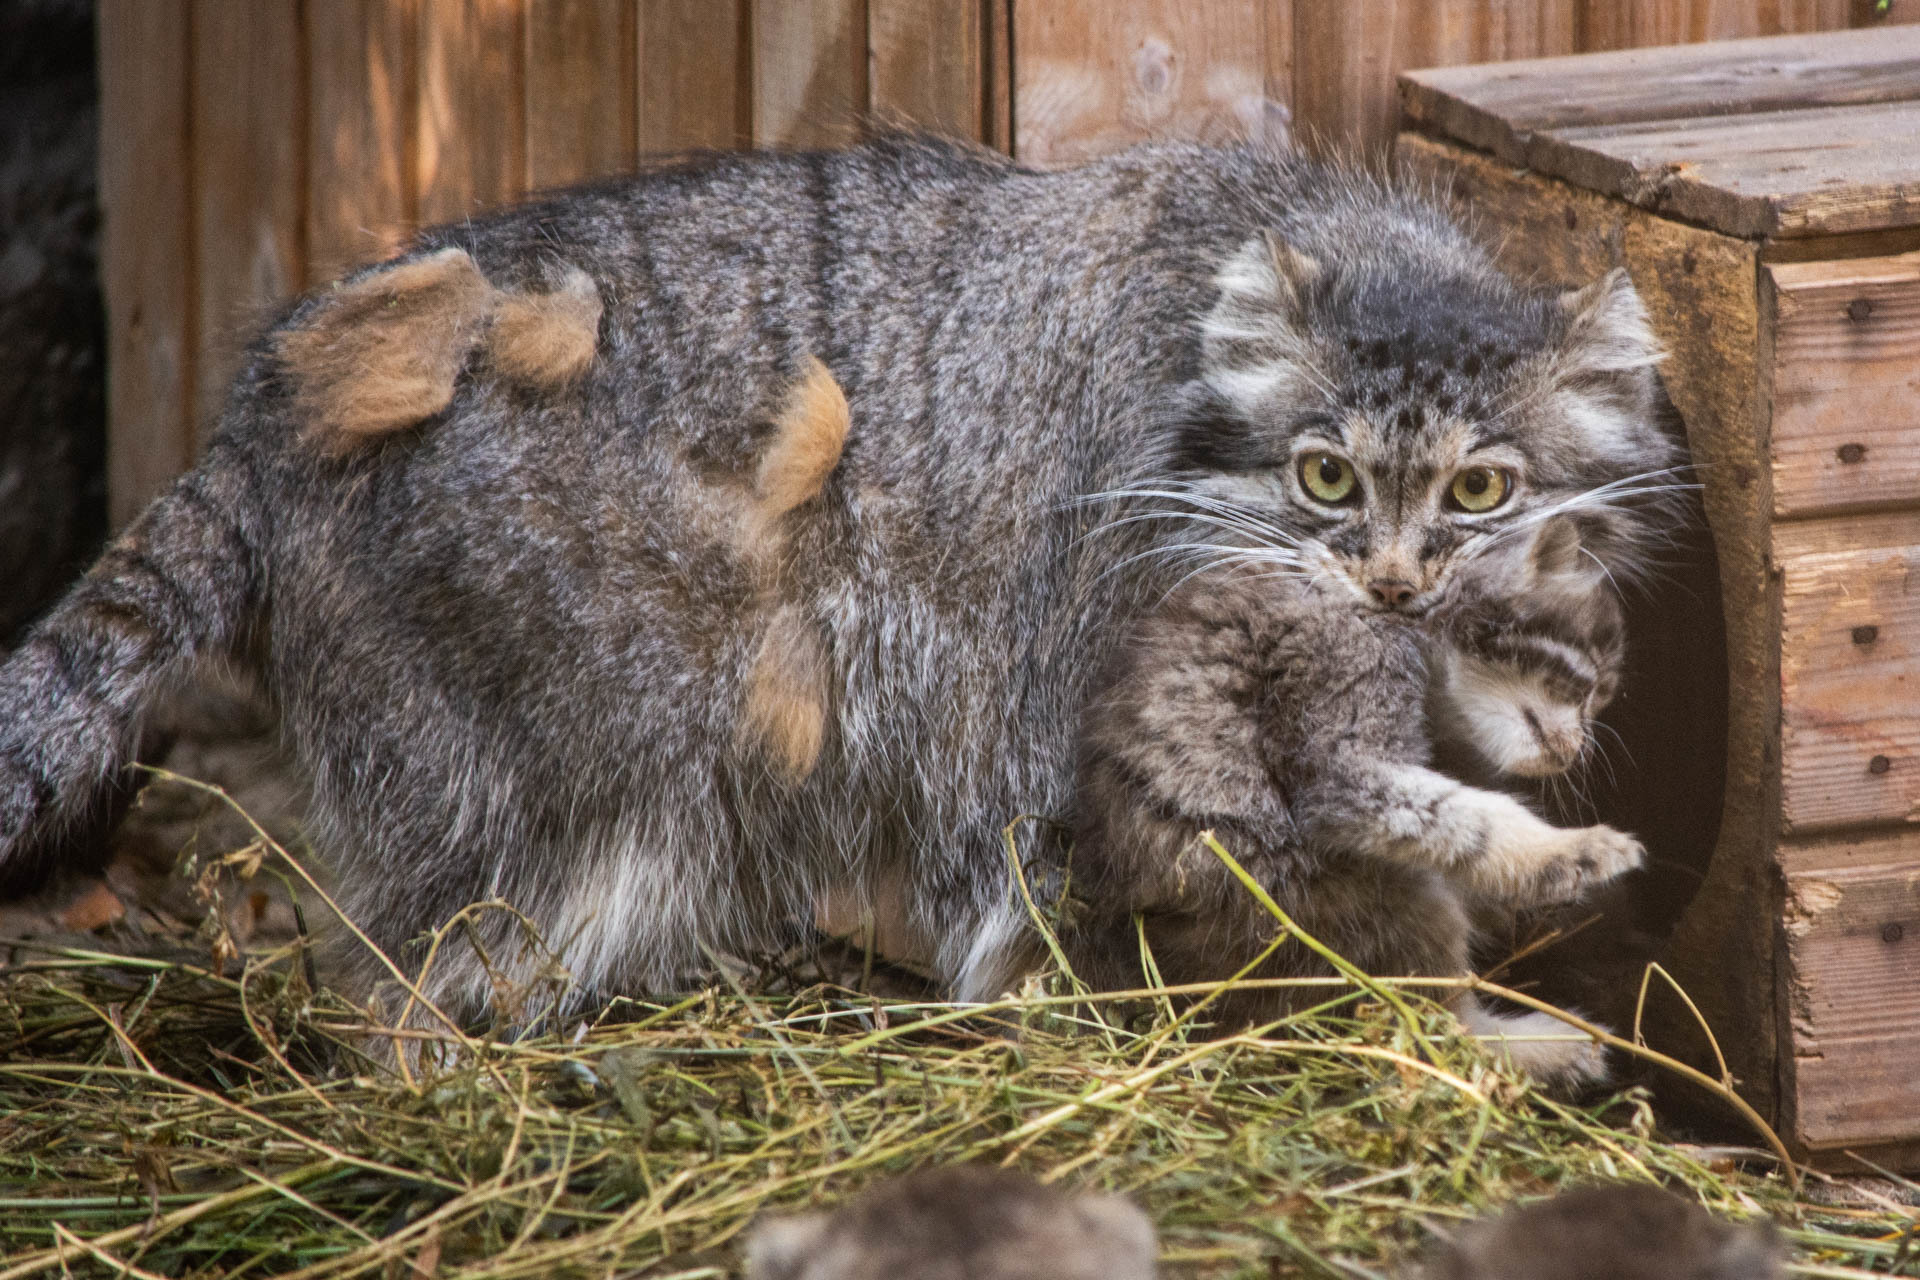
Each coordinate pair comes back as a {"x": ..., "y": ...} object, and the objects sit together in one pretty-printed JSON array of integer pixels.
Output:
[
  {"x": 1637, "y": 24},
  {"x": 471, "y": 126},
  {"x": 1348, "y": 55},
  {"x": 998, "y": 70},
  {"x": 927, "y": 64},
  {"x": 1868, "y": 13},
  {"x": 695, "y": 75},
  {"x": 1277, "y": 17},
  {"x": 146, "y": 246},
  {"x": 580, "y": 86},
  {"x": 1810, "y": 15},
  {"x": 1345, "y": 58},
  {"x": 1634, "y": 24},
  {"x": 249, "y": 167},
  {"x": 809, "y": 71},
  {"x": 1090, "y": 78},
  {"x": 360, "y": 196},
  {"x": 1450, "y": 32}
]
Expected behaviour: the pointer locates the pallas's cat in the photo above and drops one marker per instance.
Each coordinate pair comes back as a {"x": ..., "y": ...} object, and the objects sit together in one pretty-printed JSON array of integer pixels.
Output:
[{"x": 575, "y": 585}]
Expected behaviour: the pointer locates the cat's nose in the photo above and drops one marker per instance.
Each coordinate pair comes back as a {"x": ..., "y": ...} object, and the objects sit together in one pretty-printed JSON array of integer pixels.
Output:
[{"x": 1394, "y": 593}]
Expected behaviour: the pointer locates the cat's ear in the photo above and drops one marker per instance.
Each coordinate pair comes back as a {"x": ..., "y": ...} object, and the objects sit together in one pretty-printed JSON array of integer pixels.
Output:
[
  {"x": 1256, "y": 341},
  {"x": 1603, "y": 373},
  {"x": 1607, "y": 329},
  {"x": 1266, "y": 275},
  {"x": 1294, "y": 272}
]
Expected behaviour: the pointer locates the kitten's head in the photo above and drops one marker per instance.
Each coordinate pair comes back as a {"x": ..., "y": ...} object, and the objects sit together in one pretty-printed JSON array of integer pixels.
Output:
[
  {"x": 1382, "y": 423},
  {"x": 1528, "y": 651}
]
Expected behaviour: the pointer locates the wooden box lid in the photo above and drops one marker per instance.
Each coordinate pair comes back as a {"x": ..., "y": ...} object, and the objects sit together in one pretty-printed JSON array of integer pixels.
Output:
[{"x": 1770, "y": 138}]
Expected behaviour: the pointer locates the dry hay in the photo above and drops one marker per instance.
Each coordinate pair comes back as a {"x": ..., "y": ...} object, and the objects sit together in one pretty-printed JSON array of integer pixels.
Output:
[{"x": 158, "y": 1117}]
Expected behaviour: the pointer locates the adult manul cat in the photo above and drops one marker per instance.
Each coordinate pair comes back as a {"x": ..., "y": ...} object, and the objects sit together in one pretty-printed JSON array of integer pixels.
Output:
[{"x": 575, "y": 585}]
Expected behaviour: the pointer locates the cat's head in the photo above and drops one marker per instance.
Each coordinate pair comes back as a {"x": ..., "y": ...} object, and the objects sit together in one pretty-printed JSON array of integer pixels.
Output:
[{"x": 1376, "y": 426}]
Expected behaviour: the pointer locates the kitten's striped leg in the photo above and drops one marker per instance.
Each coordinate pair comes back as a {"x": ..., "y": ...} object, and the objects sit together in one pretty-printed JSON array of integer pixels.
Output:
[{"x": 1490, "y": 843}]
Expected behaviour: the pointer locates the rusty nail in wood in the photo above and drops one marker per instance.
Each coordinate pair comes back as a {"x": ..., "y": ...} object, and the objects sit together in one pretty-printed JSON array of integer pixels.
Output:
[
  {"x": 1852, "y": 452},
  {"x": 1865, "y": 635},
  {"x": 1879, "y": 764},
  {"x": 1893, "y": 932},
  {"x": 1858, "y": 310}
]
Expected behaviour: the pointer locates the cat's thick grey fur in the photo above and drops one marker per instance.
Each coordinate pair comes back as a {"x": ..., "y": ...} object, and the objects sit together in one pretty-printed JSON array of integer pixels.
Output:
[{"x": 512, "y": 646}]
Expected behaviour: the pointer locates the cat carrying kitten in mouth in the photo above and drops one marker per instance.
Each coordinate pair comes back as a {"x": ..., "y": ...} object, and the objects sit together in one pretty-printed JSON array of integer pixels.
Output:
[{"x": 661, "y": 556}]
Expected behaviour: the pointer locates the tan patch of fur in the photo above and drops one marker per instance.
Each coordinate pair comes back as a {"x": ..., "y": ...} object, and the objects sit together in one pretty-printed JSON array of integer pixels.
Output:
[
  {"x": 547, "y": 339},
  {"x": 382, "y": 353},
  {"x": 786, "y": 707},
  {"x": 810, "y": 433},
  {"x": 879, "y": 920}
]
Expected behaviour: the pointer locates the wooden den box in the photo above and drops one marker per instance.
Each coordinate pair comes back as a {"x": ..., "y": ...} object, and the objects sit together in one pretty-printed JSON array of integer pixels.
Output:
[{"x": 1765, "y": 196}]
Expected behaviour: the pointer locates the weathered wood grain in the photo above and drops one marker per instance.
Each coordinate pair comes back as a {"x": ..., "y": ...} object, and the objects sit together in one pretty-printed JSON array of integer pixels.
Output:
[
  {"x": 1348, "y": 55},
  {"x": 249, "y": 119},
  {"x": 1344, "y": 57},
  {"x": 1851, "y": 927},
  {"x": 809, "y": 72},
  {"x": 146, "y": 247},
  {"x": 360, "y": 72},
  {"x": 580, "y": 90},
  {"x": 1850, "y": 674},
  {"x": 1625, "y": 24},
  {"x": 929, "y": 64},
  {"x": 999, "y": 71},
  {"x": 1778, "y": 173},
  {"x": 471, "y": 124},
  {"x": 696, "y": 75},
  {"x": 1092, "y": 78},
  {"x": 1846, "y": 384},
  {"x": 1500, "y": 107}
]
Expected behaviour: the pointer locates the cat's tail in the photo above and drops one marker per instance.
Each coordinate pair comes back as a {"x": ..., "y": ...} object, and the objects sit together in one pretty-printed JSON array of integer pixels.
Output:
[{"x": 182, "y": 583}]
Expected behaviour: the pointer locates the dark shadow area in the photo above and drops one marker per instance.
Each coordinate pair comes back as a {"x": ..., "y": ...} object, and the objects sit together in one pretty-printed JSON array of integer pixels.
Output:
[{"x": 52, "y": 330}]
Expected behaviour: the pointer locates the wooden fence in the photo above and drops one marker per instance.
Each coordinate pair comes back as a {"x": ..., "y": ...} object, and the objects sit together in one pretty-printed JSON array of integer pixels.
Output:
[{"x": 252, "y": 147}]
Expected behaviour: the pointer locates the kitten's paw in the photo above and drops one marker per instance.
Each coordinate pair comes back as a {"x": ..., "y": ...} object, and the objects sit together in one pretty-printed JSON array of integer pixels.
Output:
[
  {"x": 1594, "y": 855},
  {"x": 1560, "y": 867}
]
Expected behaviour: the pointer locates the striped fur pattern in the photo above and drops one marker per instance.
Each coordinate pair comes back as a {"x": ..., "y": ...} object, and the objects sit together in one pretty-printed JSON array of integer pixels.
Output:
[{"x": 514, "y": 645}]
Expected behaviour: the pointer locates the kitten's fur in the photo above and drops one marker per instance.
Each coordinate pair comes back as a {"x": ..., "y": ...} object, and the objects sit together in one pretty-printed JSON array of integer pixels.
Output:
[
  {"x": 515, "y": 645},
  {"x": 970, "y": 1221},
  {"x": 1295, "y": 729}
]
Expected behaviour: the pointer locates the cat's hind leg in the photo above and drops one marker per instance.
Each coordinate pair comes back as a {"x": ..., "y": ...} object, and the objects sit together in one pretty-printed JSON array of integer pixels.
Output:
[{"x": 1392, "y": 920}]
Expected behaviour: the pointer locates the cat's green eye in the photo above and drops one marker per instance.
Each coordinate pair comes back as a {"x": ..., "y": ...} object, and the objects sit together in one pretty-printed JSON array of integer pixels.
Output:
[
  {"x": 1327, "y": 478},
  {"x": 1480, "y": 489}
]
